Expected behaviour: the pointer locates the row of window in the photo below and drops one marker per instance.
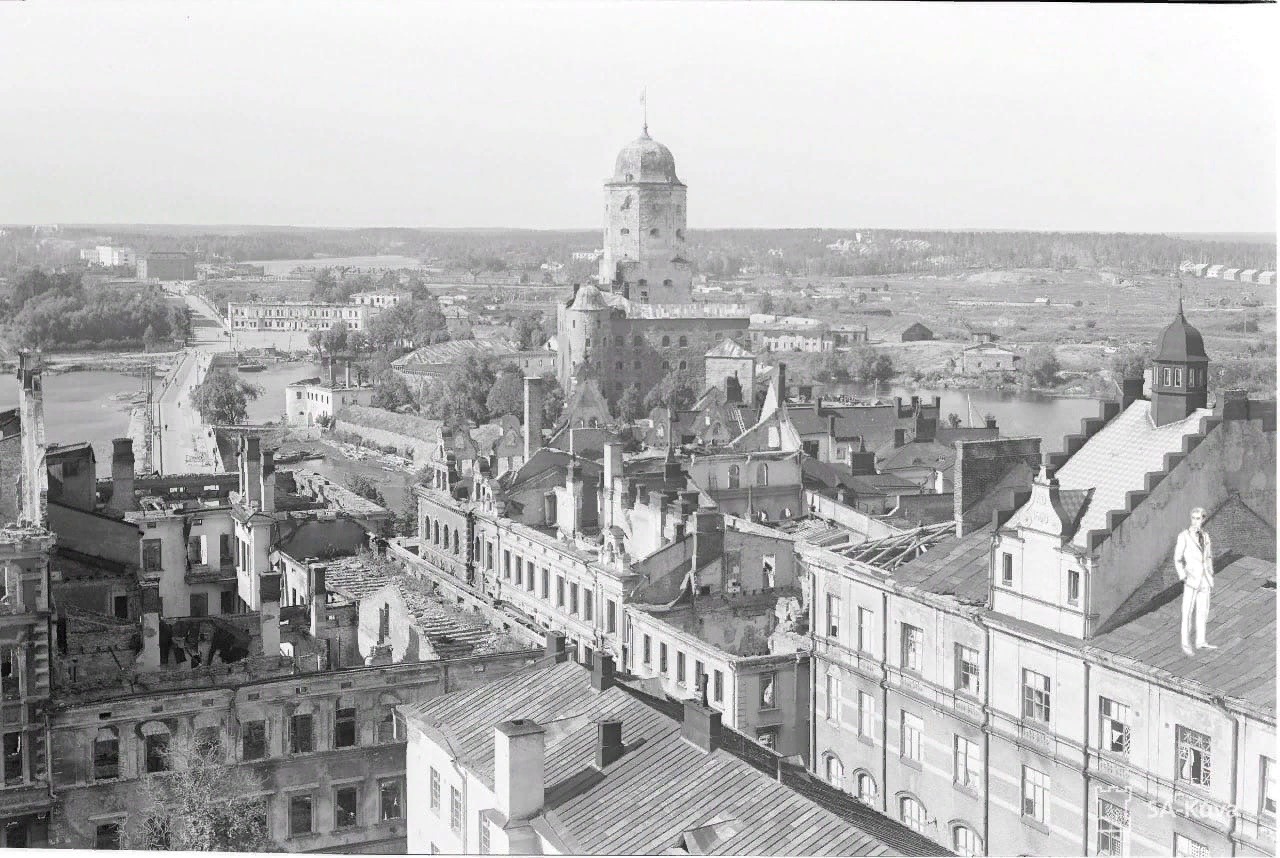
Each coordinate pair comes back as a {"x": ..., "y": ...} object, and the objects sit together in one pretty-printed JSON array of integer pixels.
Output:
[
  {"x": 735, "y": 477},
  {"x": 440, "y": 535},
  {"x": 300, "y": 739},
  {"x": 578, "y": 601},
  {"x": 456, "y": 808},
  {"x": 302, "y": 817},
  {"x": 715, "y": 692}
]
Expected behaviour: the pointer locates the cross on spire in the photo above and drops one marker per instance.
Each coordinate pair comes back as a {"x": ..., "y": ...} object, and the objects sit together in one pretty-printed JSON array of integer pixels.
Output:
[{"x": 644, "y": 103}]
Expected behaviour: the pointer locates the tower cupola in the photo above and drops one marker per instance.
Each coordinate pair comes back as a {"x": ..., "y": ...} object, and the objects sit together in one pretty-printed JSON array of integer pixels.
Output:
[{"x": 1181, "y": 372}]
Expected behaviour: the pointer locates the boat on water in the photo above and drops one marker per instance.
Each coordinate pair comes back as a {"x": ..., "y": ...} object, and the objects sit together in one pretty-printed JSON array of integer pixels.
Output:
[{"x": 251, "y": 367}]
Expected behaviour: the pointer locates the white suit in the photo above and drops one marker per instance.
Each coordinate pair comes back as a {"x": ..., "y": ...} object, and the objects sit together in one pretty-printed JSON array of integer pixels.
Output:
[{"x": 1193, "y": 558}]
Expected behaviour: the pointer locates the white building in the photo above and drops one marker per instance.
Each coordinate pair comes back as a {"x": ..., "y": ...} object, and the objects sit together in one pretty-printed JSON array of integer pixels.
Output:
[
  {"x": 381, "y": 300},
  {"x": 296, "y": 316}
]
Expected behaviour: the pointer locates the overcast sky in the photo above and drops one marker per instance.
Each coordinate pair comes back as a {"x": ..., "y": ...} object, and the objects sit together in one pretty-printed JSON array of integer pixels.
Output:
[{"x": 1038, "y": 116}]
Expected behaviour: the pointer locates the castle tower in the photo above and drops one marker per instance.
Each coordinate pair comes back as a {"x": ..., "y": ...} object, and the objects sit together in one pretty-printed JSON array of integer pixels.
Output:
[
  {"x": 585, "y": 333},
  {"x": 644, "y": 226},
  {"x": 1181, "y": 372}
]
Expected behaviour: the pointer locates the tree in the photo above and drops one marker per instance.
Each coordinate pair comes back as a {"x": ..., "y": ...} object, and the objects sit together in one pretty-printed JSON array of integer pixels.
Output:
[
  {"x": 364, "y": 487},
  {"x": 1041, "y": 365},
  {"x": 675, "y": 392},
  {"x": 873, "y": 366},
  {"x": 507, "y": 394},
  {"x": 334, "y": 340},
  {"x": 200, "y": 804},
  {"x": 222, "y": 399},
  {"x": 466, "y": 392},
  {"x": 528, "y": 331},
  {"x": 1129, "y": 361},
  {"x": 953, "y": 420},
  {"x": 833, "y": 368},
  {"x": 390, "y": 391},
  {"x": 552, "y": 400},
  {"x": 631, "y": 405}
]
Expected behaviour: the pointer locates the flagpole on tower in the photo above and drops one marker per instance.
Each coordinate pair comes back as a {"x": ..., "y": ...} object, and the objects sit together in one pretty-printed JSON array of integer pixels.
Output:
[{"x": 644, "y": 103}]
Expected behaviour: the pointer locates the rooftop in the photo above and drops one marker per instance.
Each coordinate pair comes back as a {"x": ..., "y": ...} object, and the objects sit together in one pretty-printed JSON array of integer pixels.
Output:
[
  {"x": 664, "y": 788},
  {"x": 1116, "y": 461}
]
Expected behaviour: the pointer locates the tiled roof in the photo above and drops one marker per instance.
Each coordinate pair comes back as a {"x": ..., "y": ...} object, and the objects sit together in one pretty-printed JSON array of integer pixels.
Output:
[
  {"x": 451, "y": 632},
  {"x": 1242, "y": 624},
  {"x": 662, "y": 788},
  {"x": 452, "y": 351},
  {"x": 916, "y": 454},
  {"x": 354, "y": 578},
  {"x": 1116, "y": 461},
  {"x": 956, "y": 566}
]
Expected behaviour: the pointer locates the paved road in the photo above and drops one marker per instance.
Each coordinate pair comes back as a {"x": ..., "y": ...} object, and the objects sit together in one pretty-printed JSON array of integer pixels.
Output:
[{"x": 183, "y": 436}]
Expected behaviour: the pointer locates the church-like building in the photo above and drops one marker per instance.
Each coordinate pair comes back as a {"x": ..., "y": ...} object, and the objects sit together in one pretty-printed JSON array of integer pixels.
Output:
[{"x": 638, "y": 324}]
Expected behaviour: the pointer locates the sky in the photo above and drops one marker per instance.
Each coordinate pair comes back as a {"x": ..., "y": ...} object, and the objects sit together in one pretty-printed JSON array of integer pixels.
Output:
[{"x": 1037, "y": 116}]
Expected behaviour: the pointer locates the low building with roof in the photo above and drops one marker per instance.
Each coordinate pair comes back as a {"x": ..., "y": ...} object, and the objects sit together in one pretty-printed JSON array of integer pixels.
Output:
[
  {"x": 317, "y": 400},
  {"x": 988, "y": 357},
  {"x": 1017, "y": 686},
  {"x": 569, "y": 761}
]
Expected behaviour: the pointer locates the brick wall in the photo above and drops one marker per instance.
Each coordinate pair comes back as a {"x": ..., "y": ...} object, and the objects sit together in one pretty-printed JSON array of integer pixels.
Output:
[
  {"x": 95, "y": 534},
  {"x": 984, "y": 467},
  {"x": 10, "y": 470}
]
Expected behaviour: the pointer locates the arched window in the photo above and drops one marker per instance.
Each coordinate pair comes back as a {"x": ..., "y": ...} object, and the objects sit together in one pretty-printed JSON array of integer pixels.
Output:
[
  {"x": 436, "y": 535},
  {"x": 684, "y": 364},
  {"x": 864, "y": 787},
  {"x": 911, "y": 813},
  {"x": 445, "y": 534},
  {"x": 833, "y": 769},
  {"x": 666, "y": 341},
  {"x": 666, "y": 364},
  {"x": 762, "y": 475},
  {"x": 455, "y": 542},
  {"x": 964, "y": 840},
  {"x": 735, "y": 476},
  {"x": 684, "y": 341},
  {"x": 637, "y": 341}
]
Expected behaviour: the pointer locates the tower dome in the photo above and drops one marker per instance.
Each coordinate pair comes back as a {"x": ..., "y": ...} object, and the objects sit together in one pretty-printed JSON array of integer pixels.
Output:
[
  {"x": 1181, "y": 342},
  {"x": 645, "y": 160}
]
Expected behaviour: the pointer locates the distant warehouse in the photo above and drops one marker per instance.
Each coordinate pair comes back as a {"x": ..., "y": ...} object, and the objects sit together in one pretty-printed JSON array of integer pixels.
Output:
[{"x": 167, "y": 265}]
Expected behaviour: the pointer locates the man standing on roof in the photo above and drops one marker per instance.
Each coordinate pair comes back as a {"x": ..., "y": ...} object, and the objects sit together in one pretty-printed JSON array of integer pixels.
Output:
[{"x": 1193, "y": 558}]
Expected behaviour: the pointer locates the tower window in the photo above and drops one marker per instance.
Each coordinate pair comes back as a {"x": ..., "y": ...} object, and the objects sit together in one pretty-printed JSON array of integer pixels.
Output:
[
  {"x": 1177, "y": 376},
  {"x": 666, "y": 341},
  {"x": 625, "y": 231},
  {"x": 684, "y": 341}
]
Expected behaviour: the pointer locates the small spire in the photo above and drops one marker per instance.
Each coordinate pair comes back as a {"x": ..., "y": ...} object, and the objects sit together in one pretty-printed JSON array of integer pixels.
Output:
[{"x": 644, "y": 103}]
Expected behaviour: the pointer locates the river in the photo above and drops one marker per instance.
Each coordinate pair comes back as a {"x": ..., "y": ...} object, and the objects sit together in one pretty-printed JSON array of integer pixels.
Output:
[
  {"x": 1016, "y": 413},
  {"x": 92, "y": 406}
]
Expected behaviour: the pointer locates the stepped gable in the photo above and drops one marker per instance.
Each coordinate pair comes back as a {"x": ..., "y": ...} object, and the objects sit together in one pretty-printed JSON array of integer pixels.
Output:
[{"x": 1115, "y": 462}]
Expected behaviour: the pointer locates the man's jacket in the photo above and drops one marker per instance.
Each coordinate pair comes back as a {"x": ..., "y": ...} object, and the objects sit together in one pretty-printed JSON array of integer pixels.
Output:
[{"x": 1193, "y": 558}]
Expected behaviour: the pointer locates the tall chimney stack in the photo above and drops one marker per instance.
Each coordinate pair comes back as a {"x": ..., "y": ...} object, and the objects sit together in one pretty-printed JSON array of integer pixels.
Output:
[
  {"x": 533, "y": 405},
  {"x": 122, "y": 497},
  {"x": 150, "y": 658},
  {"x": 319, "y": 600},
  {"x": 519, "y": 768},
  {"x": 267, "y": 491},
  {"x": 269, "y": 612},
  {"x": 34, "y": 478}
]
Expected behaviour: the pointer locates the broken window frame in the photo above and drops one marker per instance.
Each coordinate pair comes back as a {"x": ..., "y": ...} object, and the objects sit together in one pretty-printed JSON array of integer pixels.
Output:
[
  {"x": 345, "y": 732},
  {"x": 346, "y": 817},
  {"x": 397, "y": 803},
  {"x": 295, "y": 814},
  {"x": 302, "y": 741},
  {"x": 255, "y": 731}
]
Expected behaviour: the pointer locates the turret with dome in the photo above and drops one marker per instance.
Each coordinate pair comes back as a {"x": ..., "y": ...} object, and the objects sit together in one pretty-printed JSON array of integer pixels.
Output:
[
  {"x": 1180, "y": 382},
  {"x": 644, "y": 226}
]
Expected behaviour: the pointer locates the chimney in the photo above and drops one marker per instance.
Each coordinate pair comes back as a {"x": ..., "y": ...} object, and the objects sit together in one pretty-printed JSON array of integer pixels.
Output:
[
  {"x": 782, "y": 384},
  {"x": 533, "y": 405},
  {"x": 333, "y": 372},
  {"x": 250, "y": 470},
  {"x": 122, "y": 497},
  {"x": 555, "y": 646},
  {"x": 150, "y": 659},
  {"x": 937, "y": 404},
  {"x": 347, "y": 382},
  {"x": 915, "y": 405},
  {"x": 34, "y": 475},
  {"x": 612, "y": 463},
  {"x": 1131, "y": 390},
  {"x": 701, "y": 726},
  {"x": 269, "y": 612},
  {"x": 319, "y": 599},
  {"x": 268, "y": 488},
  {"x": 926, "y": 427},
  {"x": 991, "y": 421},
  {"x": 831, "y": 425},
  {"x": 602, "y": 671},
  {"x": 1234, "y": 404},
  {"x": 899, "y": 437},
  {"x": 519, "y": 768},
  {"x": 609, "y": 747}
]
